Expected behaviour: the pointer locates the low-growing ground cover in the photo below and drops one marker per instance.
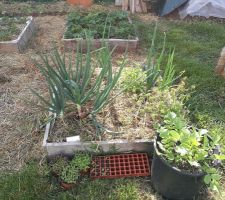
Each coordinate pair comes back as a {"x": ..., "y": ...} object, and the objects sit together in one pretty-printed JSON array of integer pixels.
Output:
[
  {"x": 99, "y": 25},
  {"x": 11, "y": 27}
]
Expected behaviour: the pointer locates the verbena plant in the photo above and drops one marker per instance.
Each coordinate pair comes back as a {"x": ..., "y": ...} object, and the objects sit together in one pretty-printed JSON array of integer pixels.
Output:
[
  {"x": 182, "y": 145},
  {"x": 57, "y": 164},
  {"x": 133, "y": 80},
  {"x": 82, "y": 161},
  {"x": 70, "y": 174},
  {"x": 77, "y": 83}
]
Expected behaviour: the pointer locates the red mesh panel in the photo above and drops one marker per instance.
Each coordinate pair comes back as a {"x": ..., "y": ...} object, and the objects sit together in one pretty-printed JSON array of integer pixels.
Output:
[{"x": 124, "y": 165}]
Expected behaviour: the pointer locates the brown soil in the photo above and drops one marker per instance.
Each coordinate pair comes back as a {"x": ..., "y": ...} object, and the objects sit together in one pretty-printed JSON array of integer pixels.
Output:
[
  {"x": 4, "y": 79},
  {"x": 121, "y": 119}
]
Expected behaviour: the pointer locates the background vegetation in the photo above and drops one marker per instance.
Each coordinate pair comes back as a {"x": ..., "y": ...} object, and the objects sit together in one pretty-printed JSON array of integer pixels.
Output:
[{"x": 197, "y": 47}]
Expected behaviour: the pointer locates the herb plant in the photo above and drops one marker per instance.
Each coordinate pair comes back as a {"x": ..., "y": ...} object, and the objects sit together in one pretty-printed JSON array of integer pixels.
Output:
[
  {"x": 70, "y": 174},
  {"x": 57, "y": 164},
  {"x": 134, "y": 80},
  {"x": 100, "y": 25},
  {"x": 158, "y": 103},
  {"x": 82, "y": 161},
  {"x": 189, "y": 149},
  {"x": 75, "y": 81}
]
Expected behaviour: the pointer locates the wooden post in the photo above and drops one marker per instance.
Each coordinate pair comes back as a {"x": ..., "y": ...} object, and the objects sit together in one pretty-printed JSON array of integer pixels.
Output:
[
  {"x": 138, "y": 6},
  {"x": 132, "y": 6},
  {"x": 143, "y": 6},
  {"x": 125, "y": 4}
]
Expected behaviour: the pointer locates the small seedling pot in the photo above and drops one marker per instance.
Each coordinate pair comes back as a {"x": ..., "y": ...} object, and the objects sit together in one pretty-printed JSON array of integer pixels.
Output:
[
  {"x": 85, "y": 172},
  {"x": 67, "y": 186},
  {"x": 171, "y": 182},
  {"x": 85, "y": 3}
]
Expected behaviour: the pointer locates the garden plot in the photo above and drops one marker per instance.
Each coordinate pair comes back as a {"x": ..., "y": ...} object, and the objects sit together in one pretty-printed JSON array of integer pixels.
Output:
[
  {"x": 122, "y": 129},
  {"x": 15, "y": 33},
  {"x": 104, "y": 114},
  {"x": 116, "y": 29}
]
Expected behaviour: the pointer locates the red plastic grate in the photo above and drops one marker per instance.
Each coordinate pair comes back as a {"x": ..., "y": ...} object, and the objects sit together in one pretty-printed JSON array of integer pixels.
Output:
[{"x": 124, "y": 165}]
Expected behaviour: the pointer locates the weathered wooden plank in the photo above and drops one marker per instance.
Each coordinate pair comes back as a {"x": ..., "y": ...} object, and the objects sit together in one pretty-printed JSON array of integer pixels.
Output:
[
  {"x": 125, "y": 5},
  {"x": 143, "y": 6},
  {"x": 132, "y": 6},
  {"x": 138, "y": 6},
  {"x": 118, "y": 2}
]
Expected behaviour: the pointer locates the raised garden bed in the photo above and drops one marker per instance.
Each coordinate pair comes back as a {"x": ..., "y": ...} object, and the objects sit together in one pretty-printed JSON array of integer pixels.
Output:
[
  {"x": 125, "y": 130},
  {"x": 116, "y": 29},
  {"x": 127, "y": 134},
  {"x": 105, "y": 146},
  {"x": 16, "y": 33},
  {"x": 100, "y": 108}
]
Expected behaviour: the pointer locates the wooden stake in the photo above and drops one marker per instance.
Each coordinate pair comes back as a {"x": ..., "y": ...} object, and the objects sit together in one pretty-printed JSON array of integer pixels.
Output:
[
  {"x": 132, "y": 6},
  {"x": 138, "y": 6},
  {"x": 125, "y": 4},
  {"x": 143, "y": 6}
]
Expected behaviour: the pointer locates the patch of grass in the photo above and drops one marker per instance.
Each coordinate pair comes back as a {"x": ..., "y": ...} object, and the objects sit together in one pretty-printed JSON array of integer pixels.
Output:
[
  {"x": 197, "y": 48},
  {"x": 33, "y": 182},
  {"x": 28, "y": 184},
  {"x": 121, "y": 189}
]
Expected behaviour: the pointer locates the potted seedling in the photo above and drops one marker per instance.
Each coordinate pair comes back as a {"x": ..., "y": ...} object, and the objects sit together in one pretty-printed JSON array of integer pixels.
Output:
[
  {"x": 184, "y": 159},
  {"x": 57, "y": 164},
  {"x": 82, "y": 161},
  {"x": 69, "y": 177}
]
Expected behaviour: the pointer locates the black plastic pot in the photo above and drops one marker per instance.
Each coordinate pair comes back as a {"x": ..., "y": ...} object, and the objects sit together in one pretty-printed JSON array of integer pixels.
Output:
[{"x": 171, "y": 182}]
